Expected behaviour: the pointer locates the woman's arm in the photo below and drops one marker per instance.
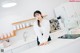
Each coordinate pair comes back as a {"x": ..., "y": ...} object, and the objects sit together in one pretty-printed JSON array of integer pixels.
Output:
[
  {"x": 37, "y": 32},
  {"x": 46, "y": 30}
]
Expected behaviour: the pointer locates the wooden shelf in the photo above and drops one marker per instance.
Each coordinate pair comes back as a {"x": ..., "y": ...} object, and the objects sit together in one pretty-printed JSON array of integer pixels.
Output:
[
  {"x": 22, "y": 28},
  {"x": 23, "y": 21},
  {"x": 14, "y": 31},
  {"x": 14, "y": 34}
]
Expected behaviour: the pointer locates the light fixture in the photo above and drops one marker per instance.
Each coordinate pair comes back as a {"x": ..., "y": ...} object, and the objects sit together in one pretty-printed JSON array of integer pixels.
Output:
[{"x": 8, "y": 3}]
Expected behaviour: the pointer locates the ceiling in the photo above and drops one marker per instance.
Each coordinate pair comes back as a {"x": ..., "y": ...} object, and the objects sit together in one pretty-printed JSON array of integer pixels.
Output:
[{"x": 25, "y": 8}]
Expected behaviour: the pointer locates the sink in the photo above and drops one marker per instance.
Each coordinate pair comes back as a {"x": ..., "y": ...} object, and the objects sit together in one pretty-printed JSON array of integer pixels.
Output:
[{"x": 69, "y": 36}]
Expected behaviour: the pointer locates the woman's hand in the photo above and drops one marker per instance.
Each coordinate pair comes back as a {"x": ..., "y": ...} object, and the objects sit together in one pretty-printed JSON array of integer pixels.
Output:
[
  {"x": 45, "y": 43},
  {"x": 41, "y": 44}
]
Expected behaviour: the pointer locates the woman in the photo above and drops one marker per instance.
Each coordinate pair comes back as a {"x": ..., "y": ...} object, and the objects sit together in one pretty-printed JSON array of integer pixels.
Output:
[{"x": 41, "y": 28}]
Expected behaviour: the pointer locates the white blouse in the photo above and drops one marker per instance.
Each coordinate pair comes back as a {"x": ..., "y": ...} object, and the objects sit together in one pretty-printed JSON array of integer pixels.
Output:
[{"x": 45, "y": 29}]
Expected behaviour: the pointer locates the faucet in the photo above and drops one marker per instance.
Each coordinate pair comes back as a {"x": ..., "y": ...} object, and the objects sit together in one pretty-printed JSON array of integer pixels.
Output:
[{"x": 25, "y": 36}]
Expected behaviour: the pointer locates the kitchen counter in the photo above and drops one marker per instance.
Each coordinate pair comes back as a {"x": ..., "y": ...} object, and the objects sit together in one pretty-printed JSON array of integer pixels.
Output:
[
  {"x": 55, "y": 44},
  {"x": 52, "y": 46},
  {"x": 19, "y": 44}
]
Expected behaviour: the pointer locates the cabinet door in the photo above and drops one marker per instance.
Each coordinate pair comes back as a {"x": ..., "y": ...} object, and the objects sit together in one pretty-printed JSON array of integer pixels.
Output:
[
  {"x": 9, "y": 51},
  {"x": 20, "y": 49},
  {"x": 76, "y": 7},
  {"x": 69, "y": 10},
  {"x": 77, "y": 11}
]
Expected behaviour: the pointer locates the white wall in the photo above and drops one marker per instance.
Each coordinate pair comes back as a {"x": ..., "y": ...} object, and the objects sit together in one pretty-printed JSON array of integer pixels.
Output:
[
  {"x": 29, "y": 32},
  {"x": 24, "y": 10}
]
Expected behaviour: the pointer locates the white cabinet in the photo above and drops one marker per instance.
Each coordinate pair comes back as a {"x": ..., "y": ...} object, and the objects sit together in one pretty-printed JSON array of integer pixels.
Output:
[
  {"x": 21, "y": 45},
  {"x": 70, "y": 13},
  {"x": 20, "y": 49},
  {"x": 8, "y": 51}
]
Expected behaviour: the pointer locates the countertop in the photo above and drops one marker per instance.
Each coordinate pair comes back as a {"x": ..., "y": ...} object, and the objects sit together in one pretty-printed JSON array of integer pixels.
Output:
[{"x": 53, "y": 45}]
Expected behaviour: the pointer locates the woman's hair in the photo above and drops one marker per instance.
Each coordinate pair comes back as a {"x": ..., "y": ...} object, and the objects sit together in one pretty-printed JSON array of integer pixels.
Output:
[{"x": 37, "y": 11}]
